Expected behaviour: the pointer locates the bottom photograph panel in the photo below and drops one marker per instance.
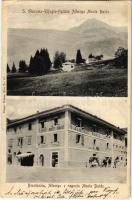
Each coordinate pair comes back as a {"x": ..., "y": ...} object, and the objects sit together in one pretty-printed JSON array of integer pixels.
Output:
[{"x": 70, "y": 140}]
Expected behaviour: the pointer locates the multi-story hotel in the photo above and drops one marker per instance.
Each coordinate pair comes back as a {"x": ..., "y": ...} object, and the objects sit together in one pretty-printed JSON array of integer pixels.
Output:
[{"x": 65, "y": 137}]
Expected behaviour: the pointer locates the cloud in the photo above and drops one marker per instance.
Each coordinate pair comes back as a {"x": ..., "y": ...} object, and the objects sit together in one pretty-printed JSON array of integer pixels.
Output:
[{"x": 114, "y": 110}]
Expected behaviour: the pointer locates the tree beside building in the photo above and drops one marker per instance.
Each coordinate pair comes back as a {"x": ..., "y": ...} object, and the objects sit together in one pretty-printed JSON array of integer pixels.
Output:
[
  {"x": 59, "y": 59},
  {"x": 79, "y": 57}
]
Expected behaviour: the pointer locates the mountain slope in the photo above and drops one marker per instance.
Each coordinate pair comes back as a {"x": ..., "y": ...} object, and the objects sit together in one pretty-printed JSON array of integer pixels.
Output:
[{"x": 92, "y": 36}]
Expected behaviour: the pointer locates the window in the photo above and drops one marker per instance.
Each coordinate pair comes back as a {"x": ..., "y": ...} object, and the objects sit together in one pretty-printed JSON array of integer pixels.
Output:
[
  {"x": 29, "y": 140},
  {"x": 94, "y": 141},
  {"x": 56, "y": 121},
  {"x": 42, "y": 124},
  {"x": 54, "y": 159},
  {"x": 107, "y": 145},
  {"x": 55, "y": 137},
  {"x": 42, "y": 139},
  {"x": 41, "y": 159},
  {"x": 20, "y": 141},
  {"x": 78, "y": 137},
  {"x": 30, "y": 126},
  {"x": 9, "y": 150},
  {"x": 78, "y": 122}
]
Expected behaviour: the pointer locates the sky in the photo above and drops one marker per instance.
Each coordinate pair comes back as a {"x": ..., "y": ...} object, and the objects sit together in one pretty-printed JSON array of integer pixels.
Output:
[
  {"x": 19, "y": 15},
  {"x": 113, "y": 110}
]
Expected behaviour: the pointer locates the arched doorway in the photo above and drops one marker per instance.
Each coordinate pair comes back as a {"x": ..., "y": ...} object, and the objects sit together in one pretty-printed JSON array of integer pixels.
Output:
[{"x": 41, "y": 160}]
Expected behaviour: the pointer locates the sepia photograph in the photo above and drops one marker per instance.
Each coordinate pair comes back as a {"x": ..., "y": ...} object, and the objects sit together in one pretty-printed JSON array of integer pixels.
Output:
[
  {"x": 66, "y": 140},
  {"x": 69, "y": 49},
  {"x": 66, "y": 75}
]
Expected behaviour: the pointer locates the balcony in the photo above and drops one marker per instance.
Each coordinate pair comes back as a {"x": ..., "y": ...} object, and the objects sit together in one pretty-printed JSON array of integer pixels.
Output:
[
  {"x": 94, "y": 148},
  {"x": 91, "y": 133},
  {"x": 79, "y": 129},
  {"x": 52, "y": 128},
  {"x": 41, "y": 144},
  {"x": 55, "y": 143}
]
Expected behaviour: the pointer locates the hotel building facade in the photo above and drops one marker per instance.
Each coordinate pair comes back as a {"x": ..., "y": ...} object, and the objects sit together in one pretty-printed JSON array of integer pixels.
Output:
[{"x": 65, "y": 137}]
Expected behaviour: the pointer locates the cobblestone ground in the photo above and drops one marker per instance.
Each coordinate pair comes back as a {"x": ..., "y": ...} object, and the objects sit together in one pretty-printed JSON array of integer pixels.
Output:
[{"x": 86, "y": 175}]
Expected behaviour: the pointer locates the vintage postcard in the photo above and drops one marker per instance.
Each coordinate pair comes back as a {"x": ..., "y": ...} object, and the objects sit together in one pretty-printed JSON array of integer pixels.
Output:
[{"x": 66, "y": 82}]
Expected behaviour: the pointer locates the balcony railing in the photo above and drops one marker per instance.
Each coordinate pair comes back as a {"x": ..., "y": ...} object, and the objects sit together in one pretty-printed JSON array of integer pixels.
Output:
[
  {"x": 55, "y": 143},
  {"x": 52, "y": 128},
  {"x": 92, "y": 133}
]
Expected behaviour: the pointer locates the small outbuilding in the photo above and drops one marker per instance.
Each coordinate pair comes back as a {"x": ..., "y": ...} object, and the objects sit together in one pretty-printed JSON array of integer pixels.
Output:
[{"x": 68, "y": 66}]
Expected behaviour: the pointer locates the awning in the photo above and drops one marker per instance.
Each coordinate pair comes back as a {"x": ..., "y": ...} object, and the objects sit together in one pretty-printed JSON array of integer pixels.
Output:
[{"x": 23, "y": 155}]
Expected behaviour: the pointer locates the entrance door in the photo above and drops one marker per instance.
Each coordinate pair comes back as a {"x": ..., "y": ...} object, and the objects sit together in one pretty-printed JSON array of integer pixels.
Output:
[
  {"x": 27, "y": 161},
  {"x": 41, "y": 159},
  {"x": 54, "y": 159},
  {"x": 9, "y": 159}
]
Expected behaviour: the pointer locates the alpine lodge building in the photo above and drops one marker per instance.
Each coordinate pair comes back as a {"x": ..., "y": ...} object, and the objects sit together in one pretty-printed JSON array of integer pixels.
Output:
[{"x": 65, "y": 137}]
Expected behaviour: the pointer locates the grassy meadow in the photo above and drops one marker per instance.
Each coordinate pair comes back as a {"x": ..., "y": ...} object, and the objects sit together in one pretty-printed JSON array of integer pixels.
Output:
[{"x": 95, "y": 82}]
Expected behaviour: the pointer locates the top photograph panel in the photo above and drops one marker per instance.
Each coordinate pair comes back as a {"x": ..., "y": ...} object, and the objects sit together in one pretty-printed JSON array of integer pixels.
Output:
[{"x": 67, "y": 49}]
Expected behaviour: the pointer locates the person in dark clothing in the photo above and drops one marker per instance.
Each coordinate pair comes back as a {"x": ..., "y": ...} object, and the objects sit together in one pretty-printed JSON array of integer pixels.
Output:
[
  {"x": 109, "y": 162},
  {"x": 104, "y": 163}
]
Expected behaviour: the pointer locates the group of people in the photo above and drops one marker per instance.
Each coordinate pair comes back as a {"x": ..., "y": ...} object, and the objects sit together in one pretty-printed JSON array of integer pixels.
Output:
[{"x": 106, "y": 162}]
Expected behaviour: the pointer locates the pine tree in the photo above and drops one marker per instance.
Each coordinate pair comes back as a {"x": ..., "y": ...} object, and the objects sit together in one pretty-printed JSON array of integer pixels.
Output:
[
  {"x": 78, "y": 57},
  {"x": 13, "y": 68},
  {"x": 30, "y": 69},
  {"x": 22, "y": 66},
  {"x": 37, "y": 53},
  {"x": 8, "y": 68},
  {"x": 40, "y": 64},
  {"x": 48, "y": 61}
]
